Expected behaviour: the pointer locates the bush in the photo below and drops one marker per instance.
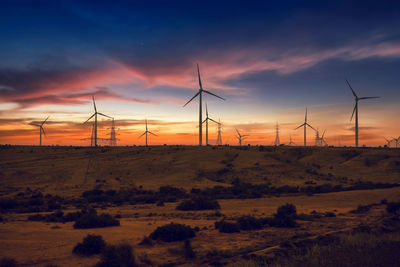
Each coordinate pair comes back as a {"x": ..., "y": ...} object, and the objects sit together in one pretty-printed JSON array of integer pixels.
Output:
[
  {"x": 285, "y": 216},
  {"x": 146, "y": 242},
  {"x": 116, "y": 256},
  {"x": 361, "y": 209},
  {"x": 393, "y": 207},
  {"x": 227, "y": 227},
  {"x": 8, "y": 262},
  {"x": 283, "y": 222},
  {"x": 286, "y": 210},
  {"x": 250, "y": 223},
  {"x": 198, "y": 203},
  {"x": 95, "y": 221},
  {"x": 92, "y": 244},
  {"x": 172, "y": 232}
]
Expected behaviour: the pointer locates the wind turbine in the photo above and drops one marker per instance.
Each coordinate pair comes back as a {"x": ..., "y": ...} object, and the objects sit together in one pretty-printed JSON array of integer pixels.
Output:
[
  {"x": 323, "y": 139},
  {"x": 41, "y": 129},
  {"x": 388, "y": 141},
  {"x": 206, "y": 121},
  {"x": 241, "y": 137},
  {"x": 146, "y": 132},
  {"x": 95, "y": 120},
  {"x": 356, "y": 99},
  {"x": 396, "y": 140},
  {"x": 305, "y": 124},
  {"x": 199, "y": 93}
]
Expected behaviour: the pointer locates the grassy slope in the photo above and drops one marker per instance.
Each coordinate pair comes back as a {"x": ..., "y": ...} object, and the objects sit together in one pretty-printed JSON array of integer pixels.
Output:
[{"x": 62, "y": 170}]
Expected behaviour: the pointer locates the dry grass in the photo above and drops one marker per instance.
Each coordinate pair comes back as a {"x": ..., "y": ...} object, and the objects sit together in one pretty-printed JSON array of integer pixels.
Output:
[{"x": 62, "y": 171}]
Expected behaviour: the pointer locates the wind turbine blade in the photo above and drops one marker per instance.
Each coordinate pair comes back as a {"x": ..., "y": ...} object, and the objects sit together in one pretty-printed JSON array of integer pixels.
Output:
[
  {"x": 203, "y": 122},
  {"x": 45, "y": 120},
  {"x": 192, "y": 98},
  {"x": 206, "y": 110},
  {"x": 323, "y": 134},
  {"x": 42, "y": 129},
  {"x": 311, "y": 127},
  {"x": 369, "y": 97},
  {"x": 299, "y": 126},
  {"x": 89, "y": 118},
  {"x": 198, "y": 73},
  {"x": 213, "y": 120},
  {"x": 213, "y": 94},
  {"x": 33, "y": 124},
  {"x": 94, "y": 104},
  {"x": 354, "y": 93},
  {"x": 237, "y": 132},
  {"x": 153, "y": 133},
  {"x": 305, "y": 118},
  {"x": 104, "y": 115},
  {"x": 142, "y": 134},
  {"x": 352, "y": 114}
]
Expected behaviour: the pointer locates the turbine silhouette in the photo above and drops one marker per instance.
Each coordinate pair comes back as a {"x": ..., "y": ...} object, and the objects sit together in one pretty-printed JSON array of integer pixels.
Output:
[
  {"x": 305, "y": 124},
  {"x": 41, "y": 129},
  {"x": 199, "y": 93},
  {"x": 355, "y": 110},
  {"x": 95, "y": 120},
  {"x": 206, "y": 121},
  {"x": 146, "y": 132}
]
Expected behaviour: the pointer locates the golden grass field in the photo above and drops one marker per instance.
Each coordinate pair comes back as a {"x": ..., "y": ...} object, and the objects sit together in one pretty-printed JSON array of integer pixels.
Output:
[{"x": 69, "y": 171}]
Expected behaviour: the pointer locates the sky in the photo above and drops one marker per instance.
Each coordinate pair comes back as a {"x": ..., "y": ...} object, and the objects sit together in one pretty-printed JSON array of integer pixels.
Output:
[{"x": 268, "y": 59}]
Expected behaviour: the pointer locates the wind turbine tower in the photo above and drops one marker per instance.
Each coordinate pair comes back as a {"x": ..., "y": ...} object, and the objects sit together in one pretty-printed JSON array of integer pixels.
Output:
[
  {"x": 206, "y": 121},
  {"x": 146, "y": 132},
  {"x": 277, "y": 143},
  {"x": 219, "y": 138},
  {"x": 355, "y": 110},
  {"x": 95, "y": 120},
  {"x": 41, "y": 129},
  {"x": 199, "y": 93},
  {"x": 305, "y": 124}
]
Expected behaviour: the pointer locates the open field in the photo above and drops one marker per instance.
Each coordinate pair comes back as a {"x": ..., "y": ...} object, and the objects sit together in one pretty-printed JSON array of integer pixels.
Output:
[{"x": 336, "y": 191}]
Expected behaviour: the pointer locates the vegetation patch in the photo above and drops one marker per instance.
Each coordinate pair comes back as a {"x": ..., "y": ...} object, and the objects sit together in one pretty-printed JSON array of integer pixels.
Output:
[
  {"x": 173, "y": 232},
  {"x": 91, "y": 220},
  {"x": 91, "y": 245},
  {"x": 118, "y": 255},
  {"x": 199, "y": 203}
]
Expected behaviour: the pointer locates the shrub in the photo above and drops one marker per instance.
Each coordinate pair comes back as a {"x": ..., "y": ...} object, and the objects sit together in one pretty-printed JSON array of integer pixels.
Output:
[
  {"x": 91, "y": 244},
  {"x": 393, "y": 207},
  {"x": 285, "y": 216},
  {"x": 286, "y": 210},
  {"x": 227, "y": 227},
  {"x": 116, "y": 256},
  {"x": 250, "y": 223},
  {"x": 146, "y": 241},
  {"x": 8, "y": 262},
  {"x": 172, "y": 232},
  {"x": 95, "y": 221},
  {"x": 361, "y": 209},
  {"x": 283, "y": 222},
  {"x": 198, "y": 203}
]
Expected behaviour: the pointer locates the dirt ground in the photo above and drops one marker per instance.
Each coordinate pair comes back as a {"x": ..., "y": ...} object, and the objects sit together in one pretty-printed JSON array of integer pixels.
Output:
[{"x": 68, "y": 171}]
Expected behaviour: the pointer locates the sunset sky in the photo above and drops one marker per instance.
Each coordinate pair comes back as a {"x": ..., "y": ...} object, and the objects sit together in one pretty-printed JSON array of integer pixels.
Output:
[{"x": 269, "y": 59}]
